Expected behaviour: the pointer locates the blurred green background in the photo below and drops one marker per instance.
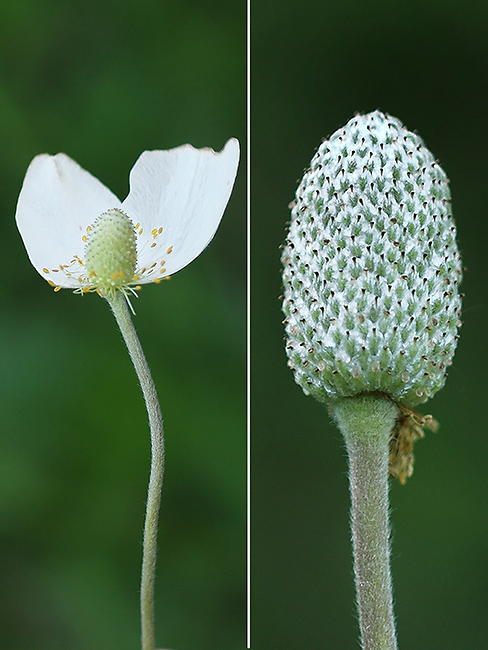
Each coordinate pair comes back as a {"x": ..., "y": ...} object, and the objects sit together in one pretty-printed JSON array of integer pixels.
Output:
[
  {"x": 102, "y": 81},
  {"x": 314, "y": 64}
]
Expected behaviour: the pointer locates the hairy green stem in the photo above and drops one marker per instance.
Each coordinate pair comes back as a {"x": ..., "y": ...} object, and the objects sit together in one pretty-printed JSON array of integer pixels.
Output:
[
  {"x": 366, "y": 422},
  {"x": 124, "y": 321}
]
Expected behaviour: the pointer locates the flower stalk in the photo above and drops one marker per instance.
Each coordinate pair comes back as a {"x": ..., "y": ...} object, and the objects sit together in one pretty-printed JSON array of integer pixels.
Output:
[
  {"x": 118, "y": 303},
  {"x": 366, "y": 422}
]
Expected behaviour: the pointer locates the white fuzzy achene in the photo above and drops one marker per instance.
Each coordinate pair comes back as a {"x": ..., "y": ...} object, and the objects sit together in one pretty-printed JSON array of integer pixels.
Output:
[{"x": 371, "y": 267}]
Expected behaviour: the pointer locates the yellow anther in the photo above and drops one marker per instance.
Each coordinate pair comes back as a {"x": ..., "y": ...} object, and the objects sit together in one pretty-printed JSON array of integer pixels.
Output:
[
  {"x": 137, "y": 226},
  {"x": 56, "y": 289},
  {"x": 138, "y": 287},
  {"x": 163, "y": 271},
  {"x": 45, "y": 270},
  {"x": 163, "y": 263},
  {"x": 153, "y": 265},
  {"x": 51, "y": 283},
  {"x": 84, "y": 238},
  {"x": 169, "y": 250},
  {"x": 153, "y": 244},
  {"x": 55, "y": 270},
  {"x": 141, "y": 231},
  {"x": 160, "y": 231},
  {"x": 157, "y": 280}
]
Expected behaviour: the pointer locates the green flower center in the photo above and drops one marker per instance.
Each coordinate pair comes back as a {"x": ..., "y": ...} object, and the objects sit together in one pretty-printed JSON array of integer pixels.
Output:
[{"x": 110, "y": 253}]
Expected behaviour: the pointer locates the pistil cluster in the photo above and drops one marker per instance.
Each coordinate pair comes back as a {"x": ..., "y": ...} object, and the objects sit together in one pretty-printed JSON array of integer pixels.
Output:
[{"x": 110, "y": 254}]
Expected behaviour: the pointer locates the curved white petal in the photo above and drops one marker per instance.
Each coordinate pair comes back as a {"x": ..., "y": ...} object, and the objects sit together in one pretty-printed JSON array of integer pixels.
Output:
[
  {"x": 184, "y": 191},
  {"x": 58, "y": 200}
]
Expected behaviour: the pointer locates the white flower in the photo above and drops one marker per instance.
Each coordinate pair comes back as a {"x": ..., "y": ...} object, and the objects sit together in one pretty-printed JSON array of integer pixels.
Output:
[{"x": 80, "y": 236}]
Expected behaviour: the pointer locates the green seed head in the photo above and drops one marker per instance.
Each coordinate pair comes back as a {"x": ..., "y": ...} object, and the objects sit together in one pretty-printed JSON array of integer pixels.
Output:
[
  {"x": 371, "y": 267},
  {"x": 110, "y": 254}
]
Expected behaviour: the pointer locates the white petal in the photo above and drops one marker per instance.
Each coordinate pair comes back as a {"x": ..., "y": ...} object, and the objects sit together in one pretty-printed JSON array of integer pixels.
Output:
[
  {"x": 57, "y": 202},
  {"x": 184, "y": 191}
]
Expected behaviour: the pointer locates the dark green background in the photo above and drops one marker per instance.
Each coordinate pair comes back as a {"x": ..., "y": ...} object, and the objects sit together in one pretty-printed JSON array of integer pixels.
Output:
[
  {"x": 103, "y": 81},
  {"x": 314, "y": 64}
]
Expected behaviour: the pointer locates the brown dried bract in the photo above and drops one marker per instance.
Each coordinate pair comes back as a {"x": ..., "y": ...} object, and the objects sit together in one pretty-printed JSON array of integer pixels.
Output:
[{"x": 409, "y": 428}]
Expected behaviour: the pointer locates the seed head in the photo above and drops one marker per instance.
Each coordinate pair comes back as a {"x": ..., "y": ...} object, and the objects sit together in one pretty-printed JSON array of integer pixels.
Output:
[{"x": 371, "y": 267}]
